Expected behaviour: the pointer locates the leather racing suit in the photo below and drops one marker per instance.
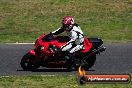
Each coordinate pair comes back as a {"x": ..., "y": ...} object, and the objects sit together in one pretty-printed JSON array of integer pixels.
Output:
[{"x": 76, "y": 37}]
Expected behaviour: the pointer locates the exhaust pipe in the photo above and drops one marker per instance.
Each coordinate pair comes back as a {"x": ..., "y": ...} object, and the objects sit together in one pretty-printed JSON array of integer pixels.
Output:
[{"x": 97, "y": 51}]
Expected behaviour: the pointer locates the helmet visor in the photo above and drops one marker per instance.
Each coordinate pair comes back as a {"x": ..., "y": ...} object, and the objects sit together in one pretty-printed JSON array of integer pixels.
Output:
[{"x": 66, "y": 25}]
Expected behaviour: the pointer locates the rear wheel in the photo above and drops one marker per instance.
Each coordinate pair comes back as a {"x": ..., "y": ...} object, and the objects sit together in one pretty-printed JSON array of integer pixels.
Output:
[
  {"x": 28, "y": 62},
  {"x": 88, "y": 62}
]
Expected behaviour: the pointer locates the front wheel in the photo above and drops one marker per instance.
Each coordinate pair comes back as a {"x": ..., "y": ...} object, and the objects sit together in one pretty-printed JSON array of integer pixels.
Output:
[{"x": 28, "y": 62}]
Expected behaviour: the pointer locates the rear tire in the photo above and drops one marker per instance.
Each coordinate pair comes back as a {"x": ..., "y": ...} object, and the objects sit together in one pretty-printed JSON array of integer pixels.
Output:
[
  {"x": 29, "y": 63},
  {"x": 87, "y": 63}
]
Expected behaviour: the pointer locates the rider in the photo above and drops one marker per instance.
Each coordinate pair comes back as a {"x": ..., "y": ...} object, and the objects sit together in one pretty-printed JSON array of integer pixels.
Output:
[{"x": 75, "y": 34}]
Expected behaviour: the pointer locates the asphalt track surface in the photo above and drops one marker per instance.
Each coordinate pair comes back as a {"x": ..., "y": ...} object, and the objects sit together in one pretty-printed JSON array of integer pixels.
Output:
[{"x": 117, "y": 59}]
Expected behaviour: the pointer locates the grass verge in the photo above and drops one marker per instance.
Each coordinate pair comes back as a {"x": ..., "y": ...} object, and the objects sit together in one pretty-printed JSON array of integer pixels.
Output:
[
  {"x": 59, "y": 81},
  {"x": 25, "y": 20}
]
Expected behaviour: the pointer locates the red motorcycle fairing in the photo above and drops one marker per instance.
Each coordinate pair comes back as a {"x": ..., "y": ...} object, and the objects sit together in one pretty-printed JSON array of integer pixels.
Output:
[
  {"x": 58, "y": 41},
  {"x": 87, "y": 45}
]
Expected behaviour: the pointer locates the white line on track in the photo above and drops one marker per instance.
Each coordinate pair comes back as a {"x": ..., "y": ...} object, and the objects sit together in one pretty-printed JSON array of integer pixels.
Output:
[
  {"x": 33, "y": 75},
  {"x": 4, "y": 76},
  {"x": 19, "y": 43},
  {"x": 48, "y": 75}
]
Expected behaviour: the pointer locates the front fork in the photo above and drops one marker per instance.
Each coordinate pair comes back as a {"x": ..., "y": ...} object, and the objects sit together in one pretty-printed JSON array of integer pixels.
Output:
[
  {"x": 38, "y": 57},
  {"x": 32, "y": 52}
]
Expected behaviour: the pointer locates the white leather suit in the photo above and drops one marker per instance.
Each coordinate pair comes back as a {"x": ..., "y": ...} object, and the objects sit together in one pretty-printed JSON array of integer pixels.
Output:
[{"x": 76, "y": 37}]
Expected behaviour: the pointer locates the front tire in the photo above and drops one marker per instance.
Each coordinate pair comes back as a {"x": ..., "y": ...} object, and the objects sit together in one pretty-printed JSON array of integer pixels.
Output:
[{"x": 29, "y": 63}]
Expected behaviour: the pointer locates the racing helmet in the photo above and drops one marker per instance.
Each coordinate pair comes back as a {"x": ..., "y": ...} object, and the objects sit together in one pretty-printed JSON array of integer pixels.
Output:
[{"x": 67, "y": 23}]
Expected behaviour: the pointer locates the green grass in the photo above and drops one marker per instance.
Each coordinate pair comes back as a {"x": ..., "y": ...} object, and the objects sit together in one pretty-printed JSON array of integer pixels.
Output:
[
  {"x": 25, "y": 20},
  {"x": 59, "y": 81}
]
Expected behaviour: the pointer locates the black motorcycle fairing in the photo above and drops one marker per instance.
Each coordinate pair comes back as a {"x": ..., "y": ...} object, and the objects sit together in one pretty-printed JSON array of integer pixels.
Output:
[{"x": 96, "y": 42}]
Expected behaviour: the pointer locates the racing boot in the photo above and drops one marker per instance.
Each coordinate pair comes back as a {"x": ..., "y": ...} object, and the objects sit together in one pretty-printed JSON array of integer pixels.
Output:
[{"x": 70, "y": 61}]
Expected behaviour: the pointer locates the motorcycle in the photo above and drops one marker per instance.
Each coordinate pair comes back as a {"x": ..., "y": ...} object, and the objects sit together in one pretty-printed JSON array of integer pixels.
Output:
[{"x": 46, "y": 53}]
